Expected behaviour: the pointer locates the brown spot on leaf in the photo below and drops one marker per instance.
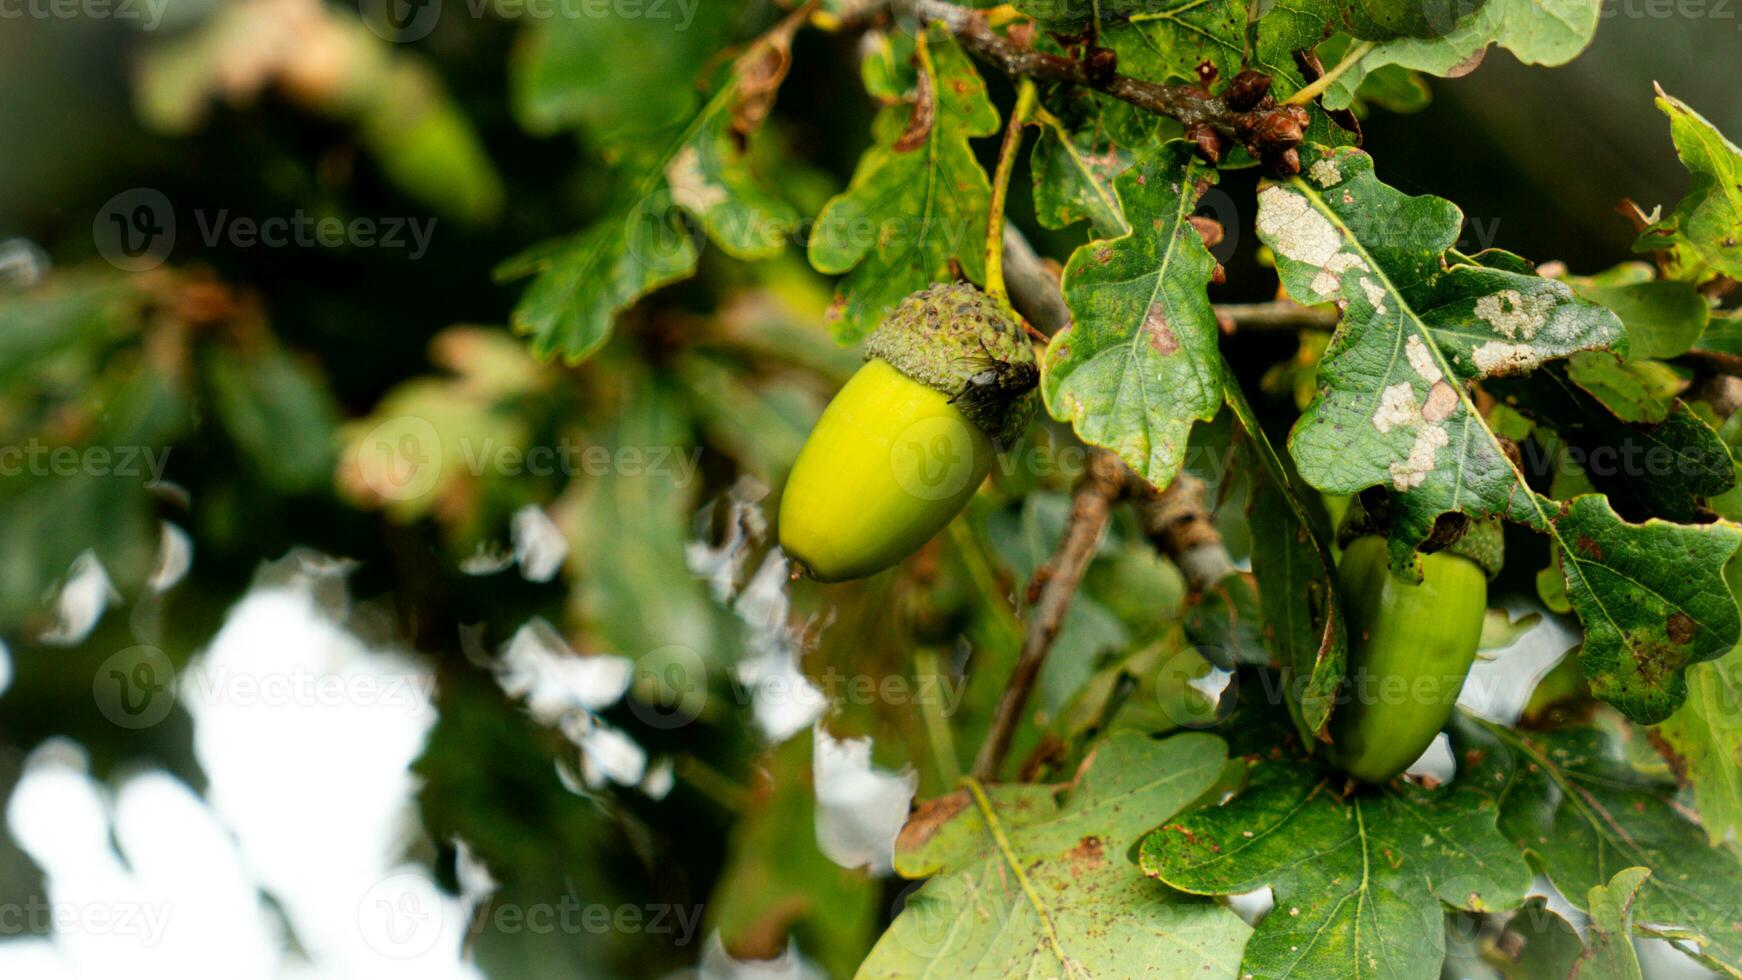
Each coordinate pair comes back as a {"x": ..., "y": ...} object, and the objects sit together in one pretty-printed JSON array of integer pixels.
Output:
[
  {"x": 1442, "y": 399},
  {"x": 919, "y": 124},
  {"x": 1589, "y": 547},
  {"x": 1680, "y": 627},
  {"x": 1086, "y": 856},
  {"x": 1160, "y": 334},
  {"x": 927, "y": 819}
]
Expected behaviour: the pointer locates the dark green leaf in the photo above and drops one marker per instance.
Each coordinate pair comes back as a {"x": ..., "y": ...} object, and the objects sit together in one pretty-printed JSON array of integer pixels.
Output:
[
  {"x": 1704, "y": 233},
  {"x": 1358, "y": 879},
  {"x": 1421, "y": 322},
  {"x": 1139, "y": 365},
  {"x": 1583, "y": 815},
  {"x": 918, "y": 200}
]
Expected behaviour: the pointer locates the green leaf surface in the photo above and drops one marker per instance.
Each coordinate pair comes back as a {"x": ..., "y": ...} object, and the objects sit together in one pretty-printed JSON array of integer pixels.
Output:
[
  {"x": 1705, "y": 735},
  {"x": 1139, "y": 363},
  {"x": 1420, "y": 322},
  {"x": 280, "y": 413},
  {"x": 1027, "y": 884},
  {"x": 1358, "y": 879},
  {"x": 1297, "y": 584},
  {"x": 1663, "y": 318},
  {"x": 1537, "y": 32},
  {"x": 1166, "y": 40},
  {"x": 1583, "y": 815},
  {"x": 615, "y": 77},
  {"x": 1075, "y": 161},
  {"x": 1666, "y": 468},
  {"x": 643, "y": 242},
  {"x": 1704, "y": 232},
  {"x": 919, "y": 199},
  {"x": 1609, "y": 954}
]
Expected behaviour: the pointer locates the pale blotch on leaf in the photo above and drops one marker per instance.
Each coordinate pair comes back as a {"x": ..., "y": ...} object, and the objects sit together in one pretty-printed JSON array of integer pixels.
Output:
[
  {"x": 1422, "y": 360},
  {"x": 1496, "y": 358},
  {"x": 690, "y": 187},
  {"x": 1396, "y": 408},
  {"x": 1325, "y": 172},
  {"x": 1295, "y": 231},
  {"x": 1375, "y": 295},
  {"x": 1514, "y": 314},
  {"x": 1407, "y": 474}
]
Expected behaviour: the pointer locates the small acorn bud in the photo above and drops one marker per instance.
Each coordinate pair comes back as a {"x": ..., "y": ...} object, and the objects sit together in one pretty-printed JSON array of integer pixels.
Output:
[
  {"x": 1207, "y": 142},
  {"x": 897, "y": 454},
  {"x": 1285, "y": 127},
  {"x": 1246, "y": 90}
]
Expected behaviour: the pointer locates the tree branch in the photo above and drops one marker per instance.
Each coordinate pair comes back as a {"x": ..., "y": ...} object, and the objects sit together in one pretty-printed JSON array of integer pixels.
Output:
[
  {"x": 1268, "y": 130},
  {"x": 1176, "y": 520},
  {"x": 1053, "y": 587}
]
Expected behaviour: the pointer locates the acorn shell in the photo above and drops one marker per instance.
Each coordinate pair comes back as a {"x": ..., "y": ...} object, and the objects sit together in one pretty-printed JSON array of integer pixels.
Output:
[{"x": 890, "y": 462}]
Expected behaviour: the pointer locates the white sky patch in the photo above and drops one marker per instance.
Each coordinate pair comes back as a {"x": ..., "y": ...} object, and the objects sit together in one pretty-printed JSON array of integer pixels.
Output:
[
  {"x": 1252, "y": 906},
  {"x": 487, "y": 559},
  {"x": 1295, "y": 231},
  {"x": 721, "y": 566},
  {"x": 718, "y": 964},
  {"x": 607, "y": 755},
  {"x": 1406, "y": 474},
  {"x": 1436, "y": 762},
  {"x": 660, "y": 778},
  {"x": 175, "y": 555},
  {"x": 80, "y": 603},
  {"x": 555, "y": 680},
  {"x": 476, "y": 881},
  {"x": 784, "y": 702},
  {"x": 1516, "y": 315},
  {"x": 539, "y": 545},
  {"x": 690, "y": 186},
  {"x": 1422, "y": 360},
  {"x": 318, "y": 792},
  {"x": 1501, "y": 681},
  {"x": 1496, "y": 357},
  {"x": 860, "y": 809},
  {"x": 1397, "y": 408},
  {"x": 143, "y": 882}
]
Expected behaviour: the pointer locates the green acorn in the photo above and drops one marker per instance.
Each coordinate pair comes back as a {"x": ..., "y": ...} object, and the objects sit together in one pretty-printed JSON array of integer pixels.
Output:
[
  {"x": 948, "y": 379},
  {"x": 1411, "y": 648}
]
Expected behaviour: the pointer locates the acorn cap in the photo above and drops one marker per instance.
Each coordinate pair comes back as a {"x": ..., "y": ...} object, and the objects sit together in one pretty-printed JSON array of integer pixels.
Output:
[
  {"x": 1480, "y": 539},
  {"x": 954, "y": 339}
]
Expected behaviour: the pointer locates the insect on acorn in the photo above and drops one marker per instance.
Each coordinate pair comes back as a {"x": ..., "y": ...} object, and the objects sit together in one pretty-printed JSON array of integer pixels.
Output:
[{"x": 948, "y": 379}]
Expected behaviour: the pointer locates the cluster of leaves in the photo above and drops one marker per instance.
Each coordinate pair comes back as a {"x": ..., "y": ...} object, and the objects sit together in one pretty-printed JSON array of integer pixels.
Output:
[{"x": 1454, "y": 385}]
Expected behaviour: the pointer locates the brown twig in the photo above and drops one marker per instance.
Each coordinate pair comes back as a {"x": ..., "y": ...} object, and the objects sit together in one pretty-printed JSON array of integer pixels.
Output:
[
  {"x": 1278, "y": 315},
  {"x": 1176, "y": 519},
  {"x": 1179, "y": 523},
  {"x": 1034, "y": 291},
  {"x": 1268, "y": 130},
  {"x": 1054, "y": 584}
]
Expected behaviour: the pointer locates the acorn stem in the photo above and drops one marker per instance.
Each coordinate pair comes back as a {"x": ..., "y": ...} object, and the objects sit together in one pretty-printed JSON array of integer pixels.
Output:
[
  {"x": 1025, "y": 99},
  {"x": 1325, "y": 81}
]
